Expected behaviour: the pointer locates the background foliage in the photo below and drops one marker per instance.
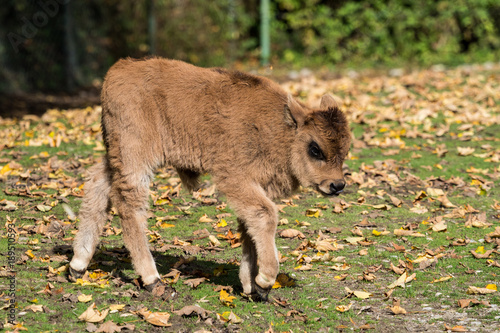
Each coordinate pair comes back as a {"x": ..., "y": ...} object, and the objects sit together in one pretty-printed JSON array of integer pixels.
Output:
[{"x": 76, "y": 46}]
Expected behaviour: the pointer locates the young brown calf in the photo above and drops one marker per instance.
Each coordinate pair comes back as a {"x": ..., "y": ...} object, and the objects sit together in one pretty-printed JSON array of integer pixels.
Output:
[{"x": 257, "y": 142}]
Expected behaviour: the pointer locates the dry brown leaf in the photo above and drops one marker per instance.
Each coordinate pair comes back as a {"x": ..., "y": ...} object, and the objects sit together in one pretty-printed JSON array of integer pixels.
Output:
[
  {"x": 155, "y": 318},
  {"x": 440, "y": 226},
  {"x": 463, "y": 303},
  {"x": 111, "y": 327},
  {"x": 434, "y": 192},
  {"x": 445, "y": 202},
  {"x": 34, "y": 308},
  {"x": 193, "y": 283},
  {"x": 291, "y": 233},
  {"x": 84, "y": 298},
  {"x": 397, "y": 270},
  {"x": 465, "y": 151},
  {"x": 455, "y": 328},
  {"x": 481, "y": 291},
  {"x": 91, "y": 315},
  {"x": 191, "y": 310},
  {"x": 401, "y": 232},
  {"x": 484, "y": 255},
  {"x": 495, "y": 233},
  {"x": 395, "y": 201},
  {"x": 357, "y": 231},
  {"x": 324, "y": 246},
  {"x": 396, "y": 307}
]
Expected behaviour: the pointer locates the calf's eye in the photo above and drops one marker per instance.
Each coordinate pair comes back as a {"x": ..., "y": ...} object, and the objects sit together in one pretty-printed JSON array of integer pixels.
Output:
[{"x": 315, "y": 152}]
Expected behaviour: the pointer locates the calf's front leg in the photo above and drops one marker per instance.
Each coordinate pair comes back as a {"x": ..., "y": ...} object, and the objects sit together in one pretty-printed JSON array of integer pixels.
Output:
[{"x": 259, "y": 216}]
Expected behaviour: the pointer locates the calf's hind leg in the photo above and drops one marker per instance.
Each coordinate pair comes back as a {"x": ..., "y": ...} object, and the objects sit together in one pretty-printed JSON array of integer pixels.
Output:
[
  {"x": 92, "y": 215},
  {"x": 189, "y": 178},
  {"x": 130, "y": 193},
  {"x": 248, "y": 266}
]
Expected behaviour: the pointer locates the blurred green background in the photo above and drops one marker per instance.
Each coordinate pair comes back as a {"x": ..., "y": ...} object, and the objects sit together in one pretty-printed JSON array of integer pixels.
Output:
[{"x": 66, "y": 45}]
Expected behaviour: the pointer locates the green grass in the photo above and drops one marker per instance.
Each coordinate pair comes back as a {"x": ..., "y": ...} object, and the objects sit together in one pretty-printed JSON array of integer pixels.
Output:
[{"x": 311, "y": 304}]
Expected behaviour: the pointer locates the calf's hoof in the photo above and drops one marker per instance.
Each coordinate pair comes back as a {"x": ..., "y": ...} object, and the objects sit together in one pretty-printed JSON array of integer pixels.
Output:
[
  {"x": 76, "y": 274},
  {"x": 262, "y": 294},
  {"x": 263, "y": 286},
  {"x": 152, "y": 286}
]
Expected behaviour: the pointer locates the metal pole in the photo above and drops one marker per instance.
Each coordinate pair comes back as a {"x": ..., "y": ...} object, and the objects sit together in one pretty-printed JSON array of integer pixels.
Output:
[{"x": 265, "y": 40}]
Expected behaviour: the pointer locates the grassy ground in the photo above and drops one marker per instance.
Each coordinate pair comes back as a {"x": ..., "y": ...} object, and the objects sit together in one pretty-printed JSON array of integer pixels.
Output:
[{"x": 421, "y": 208}]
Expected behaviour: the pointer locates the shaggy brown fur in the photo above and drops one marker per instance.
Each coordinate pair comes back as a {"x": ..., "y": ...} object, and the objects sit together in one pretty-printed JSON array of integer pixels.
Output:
[{"x": 257, "y": 142}]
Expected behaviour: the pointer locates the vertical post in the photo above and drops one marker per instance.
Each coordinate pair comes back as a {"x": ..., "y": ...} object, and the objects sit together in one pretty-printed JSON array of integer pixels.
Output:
[
  {"x": 151, "y": 27},
  {"x": 265, "y": 40}
]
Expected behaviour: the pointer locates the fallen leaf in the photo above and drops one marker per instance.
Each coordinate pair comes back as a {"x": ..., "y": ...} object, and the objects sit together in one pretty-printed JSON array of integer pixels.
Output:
[
  {"x": 440, "y": 226},
  {"x": 191, "y": 310},
  {"x": 111, "y": 327},
  {"x": 482, "y": 291},
  {"x": 229, "y": 317},
  {"x": 463, "y": 303},
  {"x": 214, "y": 241},
  {"x": 34, "y": 308},
  {"x": 457, "y": 328},
  {"x": 226, "y": 299},
  {"x": 465, "y": 151},
  {"x": 291, "y": 233},
  {"x": 155, "y": 318},
  {"x": 283, "y": 280},
  {"x": 401, "y": 232},
  {"x": 442, "y": 279},
  {"x": 84, "y": 298},
  {"x": 116, "y": 307},
  {"x": 205, "y": 219},
  {"x": 193, "y": 283},
  {"x": 343, "y": 308},
  {"x": 92, "y": 315},
  {"x": 396, "y": 307}
]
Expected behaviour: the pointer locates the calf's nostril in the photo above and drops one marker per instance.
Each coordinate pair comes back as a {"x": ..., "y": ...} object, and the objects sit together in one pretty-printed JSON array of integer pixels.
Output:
[{"x": 337, "y": 186}]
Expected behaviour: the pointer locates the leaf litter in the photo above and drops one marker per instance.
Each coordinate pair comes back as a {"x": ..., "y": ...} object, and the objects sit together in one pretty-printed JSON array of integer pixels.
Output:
[{"x": 403, "y": 176}]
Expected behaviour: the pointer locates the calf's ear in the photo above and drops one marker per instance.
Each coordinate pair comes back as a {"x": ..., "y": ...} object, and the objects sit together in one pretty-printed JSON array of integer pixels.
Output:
[
  {"x": 328, "y": 102},
  {"x": 295, "y": 115}
]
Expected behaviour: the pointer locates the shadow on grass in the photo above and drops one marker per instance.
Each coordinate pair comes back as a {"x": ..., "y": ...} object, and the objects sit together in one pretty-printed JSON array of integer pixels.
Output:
[{"x": 118, "y": 259}]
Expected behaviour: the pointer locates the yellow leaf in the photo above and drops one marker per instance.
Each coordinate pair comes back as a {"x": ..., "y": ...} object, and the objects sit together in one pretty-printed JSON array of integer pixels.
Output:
[
  {"x": 480, "y": 249},
  {"x": 313, "y": 212},
  {"x": 229, "y": 317},
  {"x": 362, "y": 294},
  {"x": 283, "y": 280},
  {"x": 116, "y": 307},
  {"x": 165, "y": 225},
  {"x": 492, "y": 286},
  {"x": 343, "y": 308},
  {"x": 226, "y": 299},
  {"x": 30, "y": 254},
  {"x": 222, "y": 223},
  {"x": 6, "y": 168},
  {"x": 442, "y": 279},
  {"x": 161, "y": 202}
]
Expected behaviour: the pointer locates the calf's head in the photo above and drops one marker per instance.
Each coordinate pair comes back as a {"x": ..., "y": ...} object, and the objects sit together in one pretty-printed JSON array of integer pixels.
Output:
[{"x": 321, "y": 144}]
